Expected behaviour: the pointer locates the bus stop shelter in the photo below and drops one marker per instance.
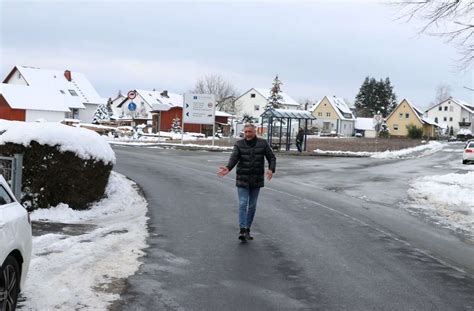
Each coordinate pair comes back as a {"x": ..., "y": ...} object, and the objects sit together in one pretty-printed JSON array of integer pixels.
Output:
[{"x": 276, "y": 136}]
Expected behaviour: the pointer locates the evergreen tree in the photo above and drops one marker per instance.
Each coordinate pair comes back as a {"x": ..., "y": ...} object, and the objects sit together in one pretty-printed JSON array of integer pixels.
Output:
[
  {"x": 246, "y": 118},
  {"x": 374, "y": 97},
  {"x": 101, "y": 114},
  {"x": 176, "y": 125},
  {"x": 110, "y": 112},
  {"x": 275, "y": 100},
  {"x": 451, "y": 131}
]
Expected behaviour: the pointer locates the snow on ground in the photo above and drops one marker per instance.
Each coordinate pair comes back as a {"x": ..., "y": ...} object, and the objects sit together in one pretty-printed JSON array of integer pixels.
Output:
[
  {"x": 85, "y": 143},
  {"x": 418, "y": 151},
  {"x": 76, "y": 272},
  {"x": 447, "y": 199}
]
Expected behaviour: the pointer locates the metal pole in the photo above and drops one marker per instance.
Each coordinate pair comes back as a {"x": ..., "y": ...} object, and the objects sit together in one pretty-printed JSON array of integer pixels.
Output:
[
  {"x": 281, "y": 134},
  {"x": 305, "y": 132},
  {"x": 17, "y": 175},
  {"x": 213, "y": 131}
]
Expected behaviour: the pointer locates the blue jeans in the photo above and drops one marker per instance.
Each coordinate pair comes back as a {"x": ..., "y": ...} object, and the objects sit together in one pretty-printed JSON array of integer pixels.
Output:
[{"x": 247, "y": 205}]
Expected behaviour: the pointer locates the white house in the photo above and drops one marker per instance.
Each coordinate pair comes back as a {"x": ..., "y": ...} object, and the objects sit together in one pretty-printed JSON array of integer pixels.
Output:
[
  {"x": 334, "y": 115},
  {"x": 38, "y": 92},
  {"x": 453, "y": 113},
  {"x": 253, "y": 102}
]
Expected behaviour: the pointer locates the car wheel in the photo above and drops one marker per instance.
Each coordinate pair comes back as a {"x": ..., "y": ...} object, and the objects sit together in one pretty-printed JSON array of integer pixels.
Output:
[{"x": 9, "y": 284}]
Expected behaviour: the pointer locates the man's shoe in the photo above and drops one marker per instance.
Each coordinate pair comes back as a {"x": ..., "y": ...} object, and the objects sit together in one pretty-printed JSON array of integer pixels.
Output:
[
  {"x": 242, "y": 234},
  {"x": 247, "y": 234}
]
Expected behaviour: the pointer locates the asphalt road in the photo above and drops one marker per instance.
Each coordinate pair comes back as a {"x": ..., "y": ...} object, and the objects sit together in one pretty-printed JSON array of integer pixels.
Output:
[{"x": 329, "y": 235}]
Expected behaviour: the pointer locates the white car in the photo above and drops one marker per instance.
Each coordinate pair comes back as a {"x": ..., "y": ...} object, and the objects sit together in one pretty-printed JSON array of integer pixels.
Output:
[
  {"x": 15, "y": 247},
  {"x": 468, "y": 153}
]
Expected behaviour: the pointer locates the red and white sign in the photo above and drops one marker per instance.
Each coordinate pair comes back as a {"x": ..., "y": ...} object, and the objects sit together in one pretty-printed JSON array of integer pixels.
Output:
[{"x": 131, "y": 94}]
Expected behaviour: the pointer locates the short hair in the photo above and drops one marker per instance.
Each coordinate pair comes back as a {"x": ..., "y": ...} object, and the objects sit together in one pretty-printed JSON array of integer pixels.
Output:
[{"x": 251, "y": 125}]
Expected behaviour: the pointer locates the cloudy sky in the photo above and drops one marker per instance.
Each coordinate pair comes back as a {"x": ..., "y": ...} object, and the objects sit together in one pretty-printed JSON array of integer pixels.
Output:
[{"x": 318, "y": 48}]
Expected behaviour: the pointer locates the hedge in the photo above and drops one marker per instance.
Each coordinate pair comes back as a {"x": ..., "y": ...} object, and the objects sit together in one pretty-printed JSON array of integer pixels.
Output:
[{"x": 51, "y": 177}]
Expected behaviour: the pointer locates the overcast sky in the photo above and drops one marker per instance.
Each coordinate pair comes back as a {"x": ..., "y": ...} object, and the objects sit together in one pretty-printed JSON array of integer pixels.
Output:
[{"x": 317, "y": 48}]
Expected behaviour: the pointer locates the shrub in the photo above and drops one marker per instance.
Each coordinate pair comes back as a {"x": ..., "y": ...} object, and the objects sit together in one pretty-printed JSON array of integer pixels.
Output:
[
  {"x": 51, "y": 176},
  {"x": 414, "y": 132}
]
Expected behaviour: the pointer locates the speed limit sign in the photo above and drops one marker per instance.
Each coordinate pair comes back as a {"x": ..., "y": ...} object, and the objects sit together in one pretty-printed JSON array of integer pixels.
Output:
[{"x": 131, "y": 94}]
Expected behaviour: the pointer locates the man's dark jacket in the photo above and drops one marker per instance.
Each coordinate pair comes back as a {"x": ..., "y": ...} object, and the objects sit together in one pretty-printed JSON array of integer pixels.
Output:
[{"x": 249, "y": 156}]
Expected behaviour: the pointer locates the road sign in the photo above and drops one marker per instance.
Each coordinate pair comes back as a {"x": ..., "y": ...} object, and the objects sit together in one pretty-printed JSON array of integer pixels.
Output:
[
  {"x": 199, "y": 108},
  {"x": 132, "y": 106},
  {"x": 132, "y": 94}
]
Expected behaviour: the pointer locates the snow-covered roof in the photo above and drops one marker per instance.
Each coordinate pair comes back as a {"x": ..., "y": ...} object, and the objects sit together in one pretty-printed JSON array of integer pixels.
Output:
[
  {"x": 157, "y": 97},
  {"x": 341, "y": 108},
  {"x": 462, "y": 103},
  {"x": 222, "y": 114},
  {"x": 55, "y": 80},
  {"x": 364, "y": 124},
  {"x": 288, "y": 113},
  {"x": 32, "y": 98},
  {"x": 287, "y": 100}
]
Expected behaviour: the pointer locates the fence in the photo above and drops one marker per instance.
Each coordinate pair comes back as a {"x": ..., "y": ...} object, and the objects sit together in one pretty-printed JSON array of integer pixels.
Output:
[{"x": 11, "y": 170}]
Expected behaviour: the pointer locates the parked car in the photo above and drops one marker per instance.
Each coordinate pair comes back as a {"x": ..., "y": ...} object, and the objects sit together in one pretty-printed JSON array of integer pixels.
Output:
[
  {"x": 15, "y": 247},
  {"x": 468, "y": 153}
]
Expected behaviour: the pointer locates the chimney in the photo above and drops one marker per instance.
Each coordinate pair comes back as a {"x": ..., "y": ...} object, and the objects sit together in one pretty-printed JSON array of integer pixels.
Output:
[
  {"x": 164, "y": 94},
  {"x": 67, "y": 75}
]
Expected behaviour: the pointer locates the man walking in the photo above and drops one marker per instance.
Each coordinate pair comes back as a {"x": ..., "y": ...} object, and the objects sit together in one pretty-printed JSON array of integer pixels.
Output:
[
  {"x": 299, "y": 139},
  {"x": 249, "y": 155}
]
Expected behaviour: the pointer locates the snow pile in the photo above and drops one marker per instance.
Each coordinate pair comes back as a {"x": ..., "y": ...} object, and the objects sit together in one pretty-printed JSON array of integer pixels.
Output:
[
  {"x": 423, "y": 150},
  {"x": 429, "y": 148},
  {"x": 77, "y": 272},
  {"x": 449, "y": 199},
  {"x": 84, "y": 143},
  {"x": 464, "y": 131}
]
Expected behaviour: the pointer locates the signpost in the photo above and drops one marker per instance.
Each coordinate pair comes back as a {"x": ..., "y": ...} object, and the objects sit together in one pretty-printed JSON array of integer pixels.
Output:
[{"x": 199, "y": 109}]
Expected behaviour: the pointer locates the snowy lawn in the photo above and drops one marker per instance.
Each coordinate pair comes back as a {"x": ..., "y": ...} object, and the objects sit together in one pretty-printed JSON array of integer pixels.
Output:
[
  {"x": 418, "y": 151},
  {"x": 71, "y": 272},
  {"x": 447, "y": 199}
]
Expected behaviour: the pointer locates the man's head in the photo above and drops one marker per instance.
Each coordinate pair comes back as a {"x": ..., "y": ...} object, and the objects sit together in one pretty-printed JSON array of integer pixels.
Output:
[{"x": 250, "y": 131}]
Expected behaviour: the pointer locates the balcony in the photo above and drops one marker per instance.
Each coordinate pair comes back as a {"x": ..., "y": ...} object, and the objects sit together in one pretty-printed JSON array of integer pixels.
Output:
[{"x": 464, "y": 124}]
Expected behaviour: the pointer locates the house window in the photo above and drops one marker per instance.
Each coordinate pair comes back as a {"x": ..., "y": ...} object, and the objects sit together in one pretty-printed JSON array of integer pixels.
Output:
[
  {"x": 72, "y": 92},
  {"x": 395, "y": 127},
  {"x": 451, "y": 108},
  {"x": 436, "y": 119},
  {"x": 257, "y": 107},
  {"x": 344, "y": 126},
  {"x": 400, "y": 115},
  {"x": 445, "y": 108},
  {"x": 62, "y": 92},
  {"x": 440, "y": 108},
  {"x": 328, "y": 114},
  {"x": 252, "y": 95},
  {"x": 463, "y": 119},
  {"x": 451, "y": 119},
  {"x": 320, "y": 114},
  {"x": 445, "y": 119},
  {"x": 407, "y": 115}
]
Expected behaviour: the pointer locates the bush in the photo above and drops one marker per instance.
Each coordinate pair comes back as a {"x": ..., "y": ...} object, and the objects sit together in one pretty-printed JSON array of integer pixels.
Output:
[
  {"x": 51, "y": 176},
  {"x": 414, "y": 132}
]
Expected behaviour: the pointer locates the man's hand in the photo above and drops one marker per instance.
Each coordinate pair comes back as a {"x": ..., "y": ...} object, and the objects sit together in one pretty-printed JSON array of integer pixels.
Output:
[
  {"x": 269, "y": 175},
  {"x": 223, "y": 171}
]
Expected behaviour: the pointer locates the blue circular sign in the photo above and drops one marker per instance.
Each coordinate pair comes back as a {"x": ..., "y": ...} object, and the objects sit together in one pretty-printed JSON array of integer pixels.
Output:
[{"x": 132, "y": 106}]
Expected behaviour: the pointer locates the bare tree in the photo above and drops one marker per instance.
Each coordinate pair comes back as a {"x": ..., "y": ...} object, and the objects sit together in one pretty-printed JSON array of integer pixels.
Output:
[
  {"x": 449, "y": 19},
  {"x": 443, "y": 92},
  {"x": 223, "y": 90}
]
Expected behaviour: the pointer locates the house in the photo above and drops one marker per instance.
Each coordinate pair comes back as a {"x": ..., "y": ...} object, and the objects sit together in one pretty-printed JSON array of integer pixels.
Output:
[
  {"x": 159, "y": 109},
  {"x": 29, "y": 94},
  {"x": 453, "y": 113},
  {"x": 334, "y": 115},
  {"x": 406, "y": 114},
  {"x": 366, "y": 127},
  {"x": 254, "y": 101}
]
